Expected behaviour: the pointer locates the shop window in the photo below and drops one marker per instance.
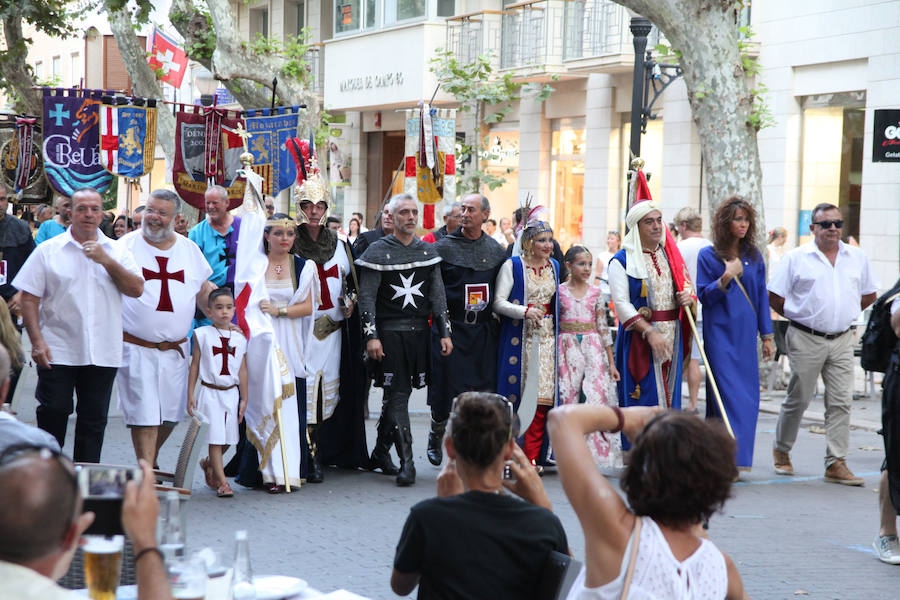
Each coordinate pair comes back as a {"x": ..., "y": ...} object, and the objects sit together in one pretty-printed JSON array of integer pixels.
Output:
[
  {"x": 651, "y": 152},
  {"x": 501, "y": 159},
  {"x": 567, "y": 180},
  {"x": 832, "y": 147}
]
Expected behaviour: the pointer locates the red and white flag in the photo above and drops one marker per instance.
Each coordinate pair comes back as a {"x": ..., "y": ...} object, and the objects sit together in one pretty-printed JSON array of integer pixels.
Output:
[{"x": 166, "y": 54}]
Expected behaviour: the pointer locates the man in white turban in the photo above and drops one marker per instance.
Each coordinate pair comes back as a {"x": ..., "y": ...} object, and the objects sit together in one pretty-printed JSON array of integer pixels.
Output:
[{"x": 645, "y": 278}]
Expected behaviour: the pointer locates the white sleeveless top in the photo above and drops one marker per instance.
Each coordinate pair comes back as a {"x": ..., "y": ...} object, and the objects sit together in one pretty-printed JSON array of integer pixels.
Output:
[{"x": 658, "y": 575}]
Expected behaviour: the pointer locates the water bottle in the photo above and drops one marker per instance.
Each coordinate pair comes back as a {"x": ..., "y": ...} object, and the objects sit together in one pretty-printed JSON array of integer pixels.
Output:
[
  {"x": 171, "y": 541},
  {"x": 242, "y": 576}
]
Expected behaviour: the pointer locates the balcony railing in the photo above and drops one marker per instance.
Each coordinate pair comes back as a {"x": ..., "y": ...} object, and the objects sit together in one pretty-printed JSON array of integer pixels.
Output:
[
  {"x": 315, "y": 60},
  {"x": 532, "y": 34},
  {"x": 474, "y": 34},
  {"x": 598, "y": 28}
]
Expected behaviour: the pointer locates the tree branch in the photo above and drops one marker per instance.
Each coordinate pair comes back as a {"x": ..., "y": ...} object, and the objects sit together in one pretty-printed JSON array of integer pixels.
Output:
[
  {"x": 14, "y": 70},
  {"x": 142, "y": 77},
  {"x": 195, "y": 29}
]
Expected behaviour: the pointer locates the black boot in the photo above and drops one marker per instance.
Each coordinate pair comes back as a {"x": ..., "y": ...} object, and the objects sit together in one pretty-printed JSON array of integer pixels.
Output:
[
  {"x": 315, "y": 468},
  {"x": 403, "y": 439},
  {"x": 381, "y": 454},
  {"x": 435, "y": 438},
  {"x": 398, "y": 408}
]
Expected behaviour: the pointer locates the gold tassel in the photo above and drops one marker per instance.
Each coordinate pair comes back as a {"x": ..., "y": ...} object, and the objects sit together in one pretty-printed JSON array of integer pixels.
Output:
[{"x": 643, "y": 288}]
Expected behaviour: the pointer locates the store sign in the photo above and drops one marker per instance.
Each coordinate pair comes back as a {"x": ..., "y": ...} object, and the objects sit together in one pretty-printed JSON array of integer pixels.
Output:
[
  {"x": 502, "y": 150},
  {"x": 367, "y": 82},
  {"x": 886, "y": 141}
]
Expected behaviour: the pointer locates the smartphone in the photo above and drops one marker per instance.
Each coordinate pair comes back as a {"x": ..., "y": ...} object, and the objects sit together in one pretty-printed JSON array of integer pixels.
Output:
[
  {"x": 507, "y": 472},
  {"x": 102, "y": 489}
]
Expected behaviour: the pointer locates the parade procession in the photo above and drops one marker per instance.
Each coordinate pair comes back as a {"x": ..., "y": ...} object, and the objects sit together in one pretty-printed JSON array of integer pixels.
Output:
[{"x": 295, "y": 306}]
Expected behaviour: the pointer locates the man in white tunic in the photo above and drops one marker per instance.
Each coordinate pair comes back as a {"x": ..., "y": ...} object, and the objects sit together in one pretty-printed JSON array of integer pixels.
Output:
[
  {"x": 152, "y": 382},
  {"x": 342, "y": 442},
  {"x": 72, "y": 288}
]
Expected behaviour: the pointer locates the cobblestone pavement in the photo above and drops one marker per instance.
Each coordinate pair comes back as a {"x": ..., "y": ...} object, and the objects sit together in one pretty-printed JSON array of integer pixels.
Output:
[{"x": 790, "y": 536}]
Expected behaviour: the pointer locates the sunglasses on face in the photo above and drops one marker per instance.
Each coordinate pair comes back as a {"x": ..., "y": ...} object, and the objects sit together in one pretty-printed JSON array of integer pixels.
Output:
[
  {"x": 838, "y": 223},
  {"x": 497, "y": 398}
]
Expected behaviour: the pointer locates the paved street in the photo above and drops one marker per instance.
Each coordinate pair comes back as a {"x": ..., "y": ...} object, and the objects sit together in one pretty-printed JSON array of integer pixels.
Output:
[{"x": 791, "y": 537}]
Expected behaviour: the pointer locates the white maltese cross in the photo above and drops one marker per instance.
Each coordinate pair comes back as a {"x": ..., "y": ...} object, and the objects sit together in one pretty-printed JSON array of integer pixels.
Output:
[{"x": 408, "y": 290}]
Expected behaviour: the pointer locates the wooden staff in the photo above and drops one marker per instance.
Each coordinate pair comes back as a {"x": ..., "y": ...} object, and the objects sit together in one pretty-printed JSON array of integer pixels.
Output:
[
  {"x": 284, "y": 464},
  {"x": 709, "y": 373}
]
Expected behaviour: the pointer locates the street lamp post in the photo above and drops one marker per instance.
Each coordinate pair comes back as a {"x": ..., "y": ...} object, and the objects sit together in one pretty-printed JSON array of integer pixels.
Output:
[{"x": 640, "y": 29}]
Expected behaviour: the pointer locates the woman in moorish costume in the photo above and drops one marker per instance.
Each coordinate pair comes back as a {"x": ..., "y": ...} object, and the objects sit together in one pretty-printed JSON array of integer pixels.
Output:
[{"x": 526, "y": 304}]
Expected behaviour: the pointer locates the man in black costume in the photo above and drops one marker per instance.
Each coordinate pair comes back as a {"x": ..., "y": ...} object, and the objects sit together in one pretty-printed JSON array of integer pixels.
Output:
[
  {"x": 470, "y": 262},
  {"x": 400, "y": 287},
  {"x": 385, "y": 226}
]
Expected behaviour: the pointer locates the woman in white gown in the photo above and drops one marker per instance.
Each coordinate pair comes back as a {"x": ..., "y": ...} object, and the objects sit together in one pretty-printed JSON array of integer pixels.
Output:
[{"x": 291, "y": 284}]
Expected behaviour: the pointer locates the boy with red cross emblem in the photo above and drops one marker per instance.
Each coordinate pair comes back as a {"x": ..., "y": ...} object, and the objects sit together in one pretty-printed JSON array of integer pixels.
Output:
[{"x": 218, "y": 361}]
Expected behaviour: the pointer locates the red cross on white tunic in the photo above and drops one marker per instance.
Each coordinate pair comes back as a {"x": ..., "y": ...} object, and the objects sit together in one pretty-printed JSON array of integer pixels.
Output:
[
  {"x": 324, "y": 274},
  {"x": 224, "y": 350},
  {"x": 165, "y": 300}
]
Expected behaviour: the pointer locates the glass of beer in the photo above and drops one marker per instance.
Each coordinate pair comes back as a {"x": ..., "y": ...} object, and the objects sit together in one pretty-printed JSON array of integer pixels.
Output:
[
  {"x": 102, "y": 565},
  {"x": 187, "y": 578}
]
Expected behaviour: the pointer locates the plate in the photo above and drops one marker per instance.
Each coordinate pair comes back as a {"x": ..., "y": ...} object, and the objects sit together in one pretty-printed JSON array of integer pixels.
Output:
[{"x": 277, "y": 587}]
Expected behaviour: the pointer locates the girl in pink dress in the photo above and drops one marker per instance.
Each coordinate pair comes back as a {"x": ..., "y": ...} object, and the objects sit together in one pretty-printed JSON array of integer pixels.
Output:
[{"x": 587, "y": 371}]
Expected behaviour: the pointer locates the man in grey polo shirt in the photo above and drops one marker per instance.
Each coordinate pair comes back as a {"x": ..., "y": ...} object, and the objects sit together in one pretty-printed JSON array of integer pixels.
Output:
[{"x": 821, "y": 288}]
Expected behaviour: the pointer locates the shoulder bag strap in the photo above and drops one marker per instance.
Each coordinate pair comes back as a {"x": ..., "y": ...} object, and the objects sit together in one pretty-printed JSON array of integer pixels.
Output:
[
  {"x": 737, "y": 280},
  {"x": 632, "y": 558}
]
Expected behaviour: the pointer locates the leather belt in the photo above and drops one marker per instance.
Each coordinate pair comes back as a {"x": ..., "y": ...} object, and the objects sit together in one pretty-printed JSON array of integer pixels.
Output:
[
  {"x": 403, "y": 324},
  {"x": 176, "y": 346},
  {"x": 577, "y": 327},
  {"x": 217, "y": 387},
  {"x": 827, "y": 336}
]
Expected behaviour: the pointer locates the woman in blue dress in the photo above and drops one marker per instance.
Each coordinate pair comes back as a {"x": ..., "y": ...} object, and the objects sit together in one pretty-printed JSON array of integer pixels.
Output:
[{"x": 731, "y": 285}]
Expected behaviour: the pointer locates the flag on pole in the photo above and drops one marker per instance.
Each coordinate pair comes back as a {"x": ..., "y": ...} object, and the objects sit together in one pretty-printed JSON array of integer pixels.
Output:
[
  {"x": 430, "y": 163},
  {"x": 127, "y": 136},
  {"x": 168, "y": 56}
]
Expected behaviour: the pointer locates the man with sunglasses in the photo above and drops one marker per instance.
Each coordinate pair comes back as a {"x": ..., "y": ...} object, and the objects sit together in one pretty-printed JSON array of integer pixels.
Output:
[
  {"x": 821, "y": 287},
  {"x": 41, "y": 524}
]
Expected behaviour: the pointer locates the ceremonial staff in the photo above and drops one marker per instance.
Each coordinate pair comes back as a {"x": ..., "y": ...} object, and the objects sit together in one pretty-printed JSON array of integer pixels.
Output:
[{"x": 637, "y": 164}]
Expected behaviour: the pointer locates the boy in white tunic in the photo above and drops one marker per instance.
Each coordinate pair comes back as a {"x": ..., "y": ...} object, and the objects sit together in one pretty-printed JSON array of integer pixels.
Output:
[{"x": 218, "y": 361}]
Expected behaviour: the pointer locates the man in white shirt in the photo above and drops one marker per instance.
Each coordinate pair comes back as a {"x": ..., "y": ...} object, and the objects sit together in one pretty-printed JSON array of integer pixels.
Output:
[
  {"x": 72, "y": 287},
  {"x": 152, "y": 381},
  {"x": 41, "y": 525},
  {"x": 690, "y": 227},
  {"x": 821, "y": 288}
]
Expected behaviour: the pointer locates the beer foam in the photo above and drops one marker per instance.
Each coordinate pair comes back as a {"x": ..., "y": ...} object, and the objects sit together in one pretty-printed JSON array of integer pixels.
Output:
[{"x": 96, "y": 544}]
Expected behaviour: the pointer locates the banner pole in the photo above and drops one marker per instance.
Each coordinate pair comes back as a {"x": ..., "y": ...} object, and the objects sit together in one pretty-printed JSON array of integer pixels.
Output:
[
  {"x": 284, "y": 465},
  {"x": 709, "y": 373}
]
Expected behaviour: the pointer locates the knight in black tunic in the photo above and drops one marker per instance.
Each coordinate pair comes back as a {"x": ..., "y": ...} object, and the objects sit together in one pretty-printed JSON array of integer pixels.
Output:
[
  {"x": 470, "y": 262},
  {"x": 400, "y": 287}
]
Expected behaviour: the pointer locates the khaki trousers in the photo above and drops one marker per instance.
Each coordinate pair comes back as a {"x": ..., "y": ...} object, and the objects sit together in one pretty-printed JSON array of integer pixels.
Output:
[{"x": 809, "y": 356}]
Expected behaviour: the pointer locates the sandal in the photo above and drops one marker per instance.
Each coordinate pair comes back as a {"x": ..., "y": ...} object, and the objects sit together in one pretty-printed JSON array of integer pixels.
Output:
[
  {"x": 204, "y": 464},
  {"x": 224, "y": 491}
]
